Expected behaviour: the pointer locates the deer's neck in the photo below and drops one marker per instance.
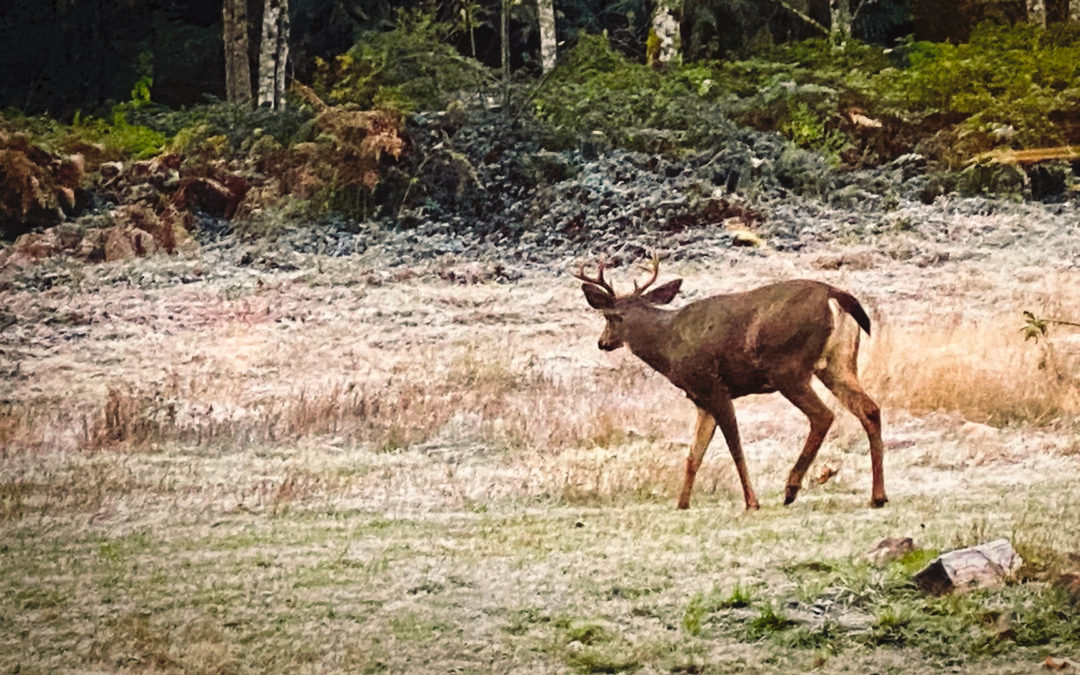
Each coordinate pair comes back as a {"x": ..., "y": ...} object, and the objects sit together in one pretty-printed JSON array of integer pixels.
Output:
[{"x": 653, "y": 340}]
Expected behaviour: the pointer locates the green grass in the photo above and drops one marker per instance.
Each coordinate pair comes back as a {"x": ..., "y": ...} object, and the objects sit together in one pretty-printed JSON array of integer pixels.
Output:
[{"x": 615, "y": 588}]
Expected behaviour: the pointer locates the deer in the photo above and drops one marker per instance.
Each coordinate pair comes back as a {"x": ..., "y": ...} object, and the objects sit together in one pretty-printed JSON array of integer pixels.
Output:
[{"x": 774, "y": 338}]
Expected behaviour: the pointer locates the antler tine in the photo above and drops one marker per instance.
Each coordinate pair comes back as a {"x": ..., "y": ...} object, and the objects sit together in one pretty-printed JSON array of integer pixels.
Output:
[
  {"x": 654, "y": 270},
  {"x": 598, "y": 280}
]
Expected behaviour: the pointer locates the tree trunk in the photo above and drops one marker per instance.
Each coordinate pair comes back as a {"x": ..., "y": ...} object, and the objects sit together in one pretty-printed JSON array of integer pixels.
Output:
[
  {"x": 801, "y": 9},
  {"x": 1036, "y": 12},
  {"x": 840, "y": 19},
  {"x": 504, "y": 35},
  {"x": 545, "y": 10},
  {"x": 1057, "y": 11},
  {"x": 237, "y": 69},
  {"x": 282, "y": 55},
  {"x": 665, "y": 43},
  {"x": 274, "y": 53}
]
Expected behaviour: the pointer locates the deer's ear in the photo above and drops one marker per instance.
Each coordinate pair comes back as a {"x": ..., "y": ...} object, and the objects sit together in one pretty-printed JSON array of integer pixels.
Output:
[
  {"x": 661, "y": 295},
  {"x": 598, "y": 298}
]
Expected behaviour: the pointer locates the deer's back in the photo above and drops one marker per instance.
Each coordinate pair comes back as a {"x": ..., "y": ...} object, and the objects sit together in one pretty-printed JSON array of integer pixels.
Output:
[{"x": 752, "y": 341}]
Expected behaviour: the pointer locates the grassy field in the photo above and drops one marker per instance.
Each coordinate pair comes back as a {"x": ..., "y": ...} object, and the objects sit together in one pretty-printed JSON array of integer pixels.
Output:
[{"x": 342, "y": 470}]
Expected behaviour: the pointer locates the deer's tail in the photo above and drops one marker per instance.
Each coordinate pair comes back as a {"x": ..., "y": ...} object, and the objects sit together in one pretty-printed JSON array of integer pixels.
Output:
[{"x": 850, "y": 305}]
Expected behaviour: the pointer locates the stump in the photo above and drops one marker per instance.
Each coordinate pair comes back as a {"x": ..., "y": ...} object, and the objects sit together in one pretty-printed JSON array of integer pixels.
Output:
[
  {"x": 889, "y": 549},
  {"x": 980, "y": 566}
]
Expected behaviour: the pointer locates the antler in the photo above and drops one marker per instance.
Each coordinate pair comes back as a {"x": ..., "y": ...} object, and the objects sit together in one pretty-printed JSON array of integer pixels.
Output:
[
  {"x": 598, "y": 280},
  {"x": 654, "y": 269}
]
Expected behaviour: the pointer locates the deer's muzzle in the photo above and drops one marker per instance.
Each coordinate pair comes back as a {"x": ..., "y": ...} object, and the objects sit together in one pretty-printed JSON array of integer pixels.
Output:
[{"x": 608, "y": 346}]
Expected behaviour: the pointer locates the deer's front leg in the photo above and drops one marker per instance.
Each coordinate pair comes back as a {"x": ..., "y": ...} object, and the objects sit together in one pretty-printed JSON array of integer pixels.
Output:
[
  {"x": 703, "y": 433},
  {"x": 724, "y": 412}
]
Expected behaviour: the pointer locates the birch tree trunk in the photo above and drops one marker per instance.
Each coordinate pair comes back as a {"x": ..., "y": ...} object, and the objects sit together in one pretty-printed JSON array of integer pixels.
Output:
[
  {"x": 665, "y": 43},
  {"x": 545, "y": 10},
  {"x": 1036, "y": 12},
  {"x": 237, "y": 69},
  {"x": 273, "y": 54},
  {"x": 840, "y": 19}
]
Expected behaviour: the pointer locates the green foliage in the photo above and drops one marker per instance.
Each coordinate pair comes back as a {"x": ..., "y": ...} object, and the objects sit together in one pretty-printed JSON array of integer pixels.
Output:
[
  {"x": 807, "y": 129},
  {"x": 597, "y": 91},
  {"x": 1036, "y": 327},
  {"x": 982, "y": 178},
  {"x": 702, "y": 604},
  {"x": 768, "y": 621},
  {"x": 239, "y": 125},
  {"x": 1009, "y": 85},
  {"x": 1016, "y": 80},
  {"x": 590, "y": 647},
  {"x": 140, "y": 91},
  {"x": 408, "y": 68},
  {"x": 119, "y": 136}
]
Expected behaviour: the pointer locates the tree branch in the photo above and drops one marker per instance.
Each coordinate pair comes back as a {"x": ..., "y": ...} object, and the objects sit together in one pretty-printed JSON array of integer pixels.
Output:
[{"x": 802, "y": 15}]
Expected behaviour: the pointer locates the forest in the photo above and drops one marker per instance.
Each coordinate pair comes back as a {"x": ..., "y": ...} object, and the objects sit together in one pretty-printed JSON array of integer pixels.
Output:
[{"x": 298, "y": 372}]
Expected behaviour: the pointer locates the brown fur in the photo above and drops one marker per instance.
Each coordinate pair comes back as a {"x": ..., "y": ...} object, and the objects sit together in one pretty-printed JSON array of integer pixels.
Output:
[{"x": 773, "y": 338}]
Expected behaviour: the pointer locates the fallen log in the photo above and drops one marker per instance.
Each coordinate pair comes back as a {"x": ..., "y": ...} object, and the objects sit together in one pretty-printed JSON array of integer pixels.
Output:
[
  {"x": 1031, "y": 155},
  {"x": 981, "y": 566}
]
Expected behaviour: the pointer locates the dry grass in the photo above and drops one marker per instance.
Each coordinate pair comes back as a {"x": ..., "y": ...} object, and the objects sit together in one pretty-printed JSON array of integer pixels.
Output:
[
  {"x": 970, "y": 356},
  {"x": 425, "y": 477},
  {"x": 984, "y": 371}
]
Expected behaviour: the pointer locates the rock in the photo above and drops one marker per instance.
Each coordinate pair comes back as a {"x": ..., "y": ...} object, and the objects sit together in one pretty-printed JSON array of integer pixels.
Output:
[
  {"x": 206, "y": 195},
  {"x": 980, "y": 566},
  {"x": 69, "y": 235},
  {"x": 122, "y": 243},
  {"x": 92, "y": 246},
  {"x": 169, "y": 229},
  {"x": 110, "y": 170},
  {"x": 38, "y": 245}
]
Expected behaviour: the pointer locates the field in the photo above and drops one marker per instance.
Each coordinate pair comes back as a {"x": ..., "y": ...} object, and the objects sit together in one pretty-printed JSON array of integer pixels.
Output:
[{"x": 353, "y": 467}]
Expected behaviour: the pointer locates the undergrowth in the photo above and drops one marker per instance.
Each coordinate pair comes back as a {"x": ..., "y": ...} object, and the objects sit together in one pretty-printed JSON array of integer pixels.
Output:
[
  {"x": 410, "y": 68},
  {"x": 1017, "y": 86}
]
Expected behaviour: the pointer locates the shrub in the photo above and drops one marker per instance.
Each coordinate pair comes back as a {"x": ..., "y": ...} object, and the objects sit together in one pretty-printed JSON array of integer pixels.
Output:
[
  {"x": 597, "y": 90},
  {"x": 120, "y": 137},
  {"x": 408, "y": 68},
  {"x": 1012, "y": 85}
]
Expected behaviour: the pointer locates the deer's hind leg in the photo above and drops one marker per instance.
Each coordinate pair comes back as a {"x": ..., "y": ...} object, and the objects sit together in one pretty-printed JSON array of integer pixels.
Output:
[
  {"x": 839, "y": 373},
  {"x": 845, "y": 386}
]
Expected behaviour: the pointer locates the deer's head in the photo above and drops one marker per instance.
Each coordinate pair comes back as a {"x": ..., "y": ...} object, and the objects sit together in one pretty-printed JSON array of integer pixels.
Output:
[{"x": 624, "y": 313}]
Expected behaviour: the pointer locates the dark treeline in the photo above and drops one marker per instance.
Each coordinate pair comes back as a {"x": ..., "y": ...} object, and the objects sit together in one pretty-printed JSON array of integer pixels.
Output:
[{"x": 63, "y": 56}]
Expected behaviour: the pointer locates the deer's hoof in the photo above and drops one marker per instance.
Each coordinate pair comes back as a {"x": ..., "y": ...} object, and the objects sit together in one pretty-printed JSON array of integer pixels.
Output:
[
  {"x": 683, "y": 505},
  {"x": 878, "y": 502},
  {"x": 790, "y": 493},
  {"x": 753, "y": 507}
]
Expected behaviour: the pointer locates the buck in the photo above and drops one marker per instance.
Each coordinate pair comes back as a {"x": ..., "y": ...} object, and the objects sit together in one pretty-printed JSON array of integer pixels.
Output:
[{"x": 773, "y": 338}]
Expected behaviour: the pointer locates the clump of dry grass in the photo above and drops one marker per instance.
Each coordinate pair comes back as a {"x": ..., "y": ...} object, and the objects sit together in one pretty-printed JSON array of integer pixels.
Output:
[
  {"x": 508, "y": 400},
  {"x": 983, "y": 370}
]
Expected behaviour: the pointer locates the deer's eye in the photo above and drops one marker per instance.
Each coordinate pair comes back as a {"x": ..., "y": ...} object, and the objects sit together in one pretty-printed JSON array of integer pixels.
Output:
[{"x": 614, "y": 318}]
